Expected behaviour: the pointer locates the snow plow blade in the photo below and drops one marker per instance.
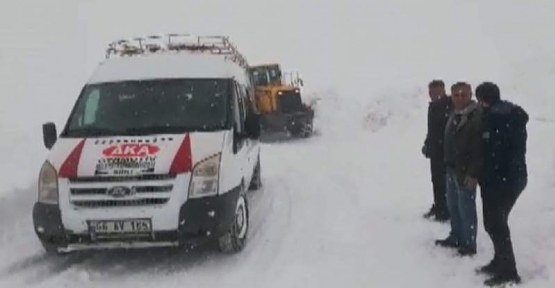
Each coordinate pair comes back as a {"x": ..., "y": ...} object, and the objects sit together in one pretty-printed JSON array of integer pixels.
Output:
[{"x": 277, "y": 127}]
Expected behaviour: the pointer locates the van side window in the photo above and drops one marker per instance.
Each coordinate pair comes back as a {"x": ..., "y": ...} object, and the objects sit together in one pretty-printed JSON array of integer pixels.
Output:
[
  {"x": 87, "y": 109},
  {"x": 250, "y": 102},
  {"x": 91, "y": 107},
  {"x": 243, "y": 100},
  {"x": 238, "y": 111}
]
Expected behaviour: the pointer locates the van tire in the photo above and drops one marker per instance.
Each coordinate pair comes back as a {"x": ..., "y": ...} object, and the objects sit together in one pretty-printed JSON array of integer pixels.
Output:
[
  {"x": 256, "y": 182},
  {"x": 51, "y": 250},
  {"x": 234, "y": 240}
]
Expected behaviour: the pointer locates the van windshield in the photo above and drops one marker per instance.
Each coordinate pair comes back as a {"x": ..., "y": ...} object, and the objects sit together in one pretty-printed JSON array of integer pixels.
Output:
[{"x": 150, "y": 107}]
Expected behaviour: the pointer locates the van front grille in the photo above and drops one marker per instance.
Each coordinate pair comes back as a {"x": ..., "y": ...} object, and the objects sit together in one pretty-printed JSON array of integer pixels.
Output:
[
  {"x": 134, "y": 189},
  {"x": 104, "y": 179},
  {"x": 120, "y": 203},
  {"x": 143, "y": 190},
  {"x": 88, "y": 191}
]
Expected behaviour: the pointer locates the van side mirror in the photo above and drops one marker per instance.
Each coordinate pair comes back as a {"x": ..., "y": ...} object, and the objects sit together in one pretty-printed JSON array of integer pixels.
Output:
[
  {"x": 252, "y": 126},
  {"x": 49, "y": 134}
]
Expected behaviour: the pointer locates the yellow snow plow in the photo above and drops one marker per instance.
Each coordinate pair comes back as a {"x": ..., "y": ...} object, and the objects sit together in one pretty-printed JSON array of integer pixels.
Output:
[{"x": 280, "y": 103}]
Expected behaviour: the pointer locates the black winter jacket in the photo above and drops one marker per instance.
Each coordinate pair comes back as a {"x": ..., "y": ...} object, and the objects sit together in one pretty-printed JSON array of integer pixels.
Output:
[
  {"x": 438, "y": 114},
  {"x": 504, "y": 137}
]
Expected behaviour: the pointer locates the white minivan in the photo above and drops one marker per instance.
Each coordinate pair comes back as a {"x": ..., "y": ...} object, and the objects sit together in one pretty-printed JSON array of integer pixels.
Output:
[{"x": 159, "y": 150}]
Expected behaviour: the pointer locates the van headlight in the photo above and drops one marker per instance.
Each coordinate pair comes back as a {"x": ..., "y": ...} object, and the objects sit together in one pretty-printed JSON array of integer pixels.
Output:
[
  {"x": 205, "y": 178},
  {"x": 48, "y": 184}
]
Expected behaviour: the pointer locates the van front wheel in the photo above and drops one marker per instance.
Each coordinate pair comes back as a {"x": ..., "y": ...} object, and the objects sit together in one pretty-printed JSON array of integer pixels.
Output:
[
  {"x": 51, "y": 249},
  {"x": 234, "y": 240}
]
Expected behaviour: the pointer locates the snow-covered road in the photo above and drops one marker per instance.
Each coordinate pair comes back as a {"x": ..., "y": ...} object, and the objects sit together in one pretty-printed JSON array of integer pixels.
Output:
[{"x": 342, "y": 209}]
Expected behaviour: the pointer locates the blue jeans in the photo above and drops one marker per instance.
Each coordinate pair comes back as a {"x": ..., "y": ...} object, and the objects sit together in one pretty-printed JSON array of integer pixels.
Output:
[{"x": 461, "y": 202}]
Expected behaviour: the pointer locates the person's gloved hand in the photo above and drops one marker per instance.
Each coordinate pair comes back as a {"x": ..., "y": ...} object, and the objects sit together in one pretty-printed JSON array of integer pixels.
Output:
[
  {"x": 470, "y": 183},
  {"x": 425, "y": 151}
]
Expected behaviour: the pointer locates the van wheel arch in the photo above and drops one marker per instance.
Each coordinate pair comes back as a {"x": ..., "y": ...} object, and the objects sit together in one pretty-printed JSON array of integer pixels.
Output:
[
  {"x": 234, "y": 240},
  {"x": 256, "y": 180}
]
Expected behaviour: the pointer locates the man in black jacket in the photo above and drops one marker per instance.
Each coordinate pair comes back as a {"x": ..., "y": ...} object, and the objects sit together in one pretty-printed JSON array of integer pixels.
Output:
[
  {"x": 504, "y": 177},
  {"x": 439, "y": 109}
]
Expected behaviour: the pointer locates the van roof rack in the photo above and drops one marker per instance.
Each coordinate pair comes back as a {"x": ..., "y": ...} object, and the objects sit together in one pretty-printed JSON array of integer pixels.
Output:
[{"x": 218, "y": 45}]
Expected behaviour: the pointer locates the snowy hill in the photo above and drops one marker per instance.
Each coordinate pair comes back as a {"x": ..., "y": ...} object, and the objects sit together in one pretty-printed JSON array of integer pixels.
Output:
[{"x": 342, "y": 209}]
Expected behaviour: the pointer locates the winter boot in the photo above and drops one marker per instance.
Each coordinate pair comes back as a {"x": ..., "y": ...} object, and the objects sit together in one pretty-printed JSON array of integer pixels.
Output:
[
  {"x": 491, "y": 268},
  {"x": 466, "y": 251},
  {"x": 503, "y": 278},
  {"x": 447, "y": 243},
  {"x": 442, "y": 216},
  {"x": 431, "y": 213}
]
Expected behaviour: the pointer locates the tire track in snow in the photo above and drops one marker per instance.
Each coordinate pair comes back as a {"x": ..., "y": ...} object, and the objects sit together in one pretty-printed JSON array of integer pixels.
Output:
[
  {"x": 274, "y": 217},
  {"x": 20, "y": 247}
]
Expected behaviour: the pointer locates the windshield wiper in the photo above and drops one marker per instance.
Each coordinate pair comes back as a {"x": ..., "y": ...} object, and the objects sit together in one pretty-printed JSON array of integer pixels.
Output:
[
  {"x": 92, "y": 132},
  {"x": 159, "y": 129},
  {"x": 136, "y": 131}
]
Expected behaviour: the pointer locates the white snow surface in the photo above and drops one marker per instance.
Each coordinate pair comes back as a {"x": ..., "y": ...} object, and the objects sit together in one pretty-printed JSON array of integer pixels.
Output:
[{"x": 342, "y": 209}]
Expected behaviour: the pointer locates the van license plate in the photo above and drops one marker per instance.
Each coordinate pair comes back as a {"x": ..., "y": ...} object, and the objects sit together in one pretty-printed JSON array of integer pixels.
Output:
[{"x": 120, "y": 226}]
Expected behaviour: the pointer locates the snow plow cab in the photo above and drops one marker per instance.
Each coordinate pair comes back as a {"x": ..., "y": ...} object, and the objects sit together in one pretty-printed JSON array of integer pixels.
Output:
[
  {"x": 280, "y": 103},
  {"x": 158, "y": 151}
]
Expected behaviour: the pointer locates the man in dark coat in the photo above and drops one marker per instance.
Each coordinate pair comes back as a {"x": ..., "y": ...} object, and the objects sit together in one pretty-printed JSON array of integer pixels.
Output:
[
  {"x": 439, "y": 109},
  {"x": 504, "y": 176},
  {"x": 463, "y": 157}
]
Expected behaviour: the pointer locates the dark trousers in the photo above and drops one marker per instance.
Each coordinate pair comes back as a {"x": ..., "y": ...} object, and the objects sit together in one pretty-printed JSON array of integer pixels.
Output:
[
  {"x": 437, "y": 166},
  {"x": 497, "y": 204}
]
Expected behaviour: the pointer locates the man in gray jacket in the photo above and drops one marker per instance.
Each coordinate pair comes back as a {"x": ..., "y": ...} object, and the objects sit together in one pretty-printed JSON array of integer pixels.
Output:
[{"x": 463, "y": 158}]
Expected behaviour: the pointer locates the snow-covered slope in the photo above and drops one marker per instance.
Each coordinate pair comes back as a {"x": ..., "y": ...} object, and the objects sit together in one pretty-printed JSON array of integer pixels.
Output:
[{"x": 338, "y": 210}]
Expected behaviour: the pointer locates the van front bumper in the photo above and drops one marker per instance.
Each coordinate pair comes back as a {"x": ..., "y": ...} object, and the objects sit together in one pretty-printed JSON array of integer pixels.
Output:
[{"x": 199, "y": 220}]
